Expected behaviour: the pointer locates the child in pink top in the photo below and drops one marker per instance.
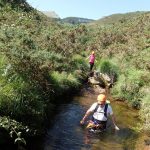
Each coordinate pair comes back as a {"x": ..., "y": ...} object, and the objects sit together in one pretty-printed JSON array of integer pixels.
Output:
[{"x": 91, "y": 60}]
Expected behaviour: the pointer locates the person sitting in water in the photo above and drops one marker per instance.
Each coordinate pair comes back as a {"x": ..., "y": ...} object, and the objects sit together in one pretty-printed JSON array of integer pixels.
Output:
[{"x": 100, "y": 110}]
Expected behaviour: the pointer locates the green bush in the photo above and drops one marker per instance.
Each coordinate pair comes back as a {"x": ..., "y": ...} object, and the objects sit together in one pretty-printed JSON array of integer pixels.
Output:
[
  {"x": 21, "y": 101},
  {"x": 17, "y": 4},
  {"x": 61, "y": 81},
  {"x": 109, "y": 68},
  {"x": 128, "y": 86},
  {"x": 78, "y": 63}
]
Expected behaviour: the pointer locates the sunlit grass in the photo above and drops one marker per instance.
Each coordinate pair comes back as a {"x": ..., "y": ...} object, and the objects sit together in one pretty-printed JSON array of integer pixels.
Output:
[
  {"x": 62, "y": 81},
  {"x": 145, "y": 112}
]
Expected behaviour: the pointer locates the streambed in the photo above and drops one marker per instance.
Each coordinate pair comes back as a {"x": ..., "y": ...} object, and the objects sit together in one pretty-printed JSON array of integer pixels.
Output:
[{"x": 66, "y": 133}]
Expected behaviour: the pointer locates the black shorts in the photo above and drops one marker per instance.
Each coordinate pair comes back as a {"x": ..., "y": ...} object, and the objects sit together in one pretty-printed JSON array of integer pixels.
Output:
[{"x": 100, "y": 124}]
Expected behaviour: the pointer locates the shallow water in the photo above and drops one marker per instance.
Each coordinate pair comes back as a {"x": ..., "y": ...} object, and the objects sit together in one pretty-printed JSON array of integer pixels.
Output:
[{"x": 67, "y": 134}]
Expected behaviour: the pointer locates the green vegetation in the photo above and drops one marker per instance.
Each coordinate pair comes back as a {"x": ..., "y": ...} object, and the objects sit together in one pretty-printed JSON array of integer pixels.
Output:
[
  {"x": 37, "y": 65},
  {"x": 115, "y": 18},
  {"x": 108, "y": 67},
  {"x": 124, "y": 40},
  {"x": 41, "y": 59},
  {"x": 145, "y": 111}
]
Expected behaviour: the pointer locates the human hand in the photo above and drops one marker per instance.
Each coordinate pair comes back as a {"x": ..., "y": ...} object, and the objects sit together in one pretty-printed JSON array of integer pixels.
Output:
[
  {"x": 116, "y": 128},
  {"x": 82, "y": 122}
]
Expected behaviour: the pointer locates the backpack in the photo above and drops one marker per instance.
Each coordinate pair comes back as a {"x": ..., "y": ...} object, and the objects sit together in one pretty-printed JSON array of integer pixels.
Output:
[{"x": 105, "y": 109}]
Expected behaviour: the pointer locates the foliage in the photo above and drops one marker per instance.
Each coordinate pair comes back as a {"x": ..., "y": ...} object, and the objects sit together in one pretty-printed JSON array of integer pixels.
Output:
[
  {"x": 128, "y": 86},
  {"x": 33, "y": 56},
  {"x": 122, "y": 18},
  {"x": 16, "y": 4},
  {"x": 109, "y": 68},
  {"x": 125, "y": 39},
  {"x": 15, "y": 129},
  {"x": 78, "y": 62},
  {"x": 41, "y": 58},
  {"x": 63, "y": 81},
  {"x": 145, "y": 112}
]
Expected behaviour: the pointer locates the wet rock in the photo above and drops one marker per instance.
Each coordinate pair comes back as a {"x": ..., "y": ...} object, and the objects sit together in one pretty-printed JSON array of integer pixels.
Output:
[
  {"x": 93, "y": 81},
  {"x": 100, "y": 79}
]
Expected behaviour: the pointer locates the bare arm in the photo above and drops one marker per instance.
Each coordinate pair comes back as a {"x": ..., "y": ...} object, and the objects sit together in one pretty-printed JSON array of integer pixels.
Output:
[
  {"x": 114, "y": 122},
  {"x": 88, "y": 57},
  {"x": 88, "y": 113}
]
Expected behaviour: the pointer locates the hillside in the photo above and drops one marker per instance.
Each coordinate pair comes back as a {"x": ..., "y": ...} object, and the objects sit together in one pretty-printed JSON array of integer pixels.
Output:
[
  {"x": 76, "y": 20},
  {"x": 70, "y": 20},
  {"x": 32, "y": 75},
  {"x": 42, "y": 60},
  {"x": 115, "y": 18},
  {"x": 123, "y": 45}
]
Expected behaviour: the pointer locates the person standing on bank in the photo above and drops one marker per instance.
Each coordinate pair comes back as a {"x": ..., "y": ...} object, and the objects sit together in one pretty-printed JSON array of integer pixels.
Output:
[
  {"x": 100, "y": 110},
  {"x": 91, "y": 60}
]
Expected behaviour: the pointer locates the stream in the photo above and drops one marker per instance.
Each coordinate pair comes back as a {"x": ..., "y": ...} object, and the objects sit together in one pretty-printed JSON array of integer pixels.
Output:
[{"x": 66, "y": 133}]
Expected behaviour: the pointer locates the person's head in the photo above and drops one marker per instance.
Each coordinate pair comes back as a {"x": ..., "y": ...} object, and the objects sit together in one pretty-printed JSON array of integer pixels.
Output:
[
  {"x": 101, "y": 98},
  {"x": 93, "y": 52}
]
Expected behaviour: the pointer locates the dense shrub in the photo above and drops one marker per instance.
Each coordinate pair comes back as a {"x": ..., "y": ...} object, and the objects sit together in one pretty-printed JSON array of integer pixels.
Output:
[
  {"x": 109, "y": 68},
  {"x": 128, "y": 86},
  {"x": 35, "y": 62},
  {"x": 63, "y": 81},
  {"x": 17, "y": 4}
]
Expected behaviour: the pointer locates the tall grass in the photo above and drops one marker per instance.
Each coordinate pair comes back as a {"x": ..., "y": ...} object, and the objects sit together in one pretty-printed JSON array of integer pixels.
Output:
[
  {"x": 128, "y": 86},
  {"x": 63, "y": 81},
  {"x": 79, "y": 62},
  {"x": 108, "y": 67},
  {"x": 145, "y": 112}
]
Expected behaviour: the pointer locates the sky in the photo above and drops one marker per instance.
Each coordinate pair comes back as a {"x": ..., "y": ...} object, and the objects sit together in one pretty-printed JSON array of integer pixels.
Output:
[{"x": 91, "y": 9}]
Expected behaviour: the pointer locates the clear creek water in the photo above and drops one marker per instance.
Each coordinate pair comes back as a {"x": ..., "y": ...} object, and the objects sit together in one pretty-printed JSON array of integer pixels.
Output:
[{"x": 66, "y": 133}]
